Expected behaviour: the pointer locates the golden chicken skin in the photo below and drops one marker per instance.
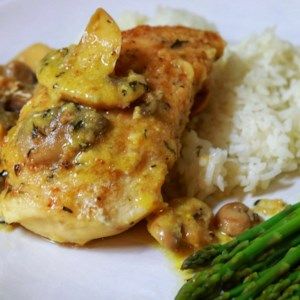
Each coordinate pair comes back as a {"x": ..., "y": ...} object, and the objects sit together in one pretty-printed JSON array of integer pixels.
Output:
[{"x": 92, "y": 148}]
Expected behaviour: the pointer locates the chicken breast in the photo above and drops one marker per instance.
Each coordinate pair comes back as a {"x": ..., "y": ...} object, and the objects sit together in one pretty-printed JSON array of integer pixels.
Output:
[{"x": 91, "y": 150}]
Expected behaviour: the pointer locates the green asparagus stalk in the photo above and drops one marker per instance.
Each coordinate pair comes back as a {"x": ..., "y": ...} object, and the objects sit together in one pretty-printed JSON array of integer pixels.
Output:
[
  {"x": 268, "y": 259},
  {"x": 233, "y": 293},
  {"x": 213, "y": 278},
  {"x": 206, "y": 255},
  {"x": 227, "y": 256},
  {"x": 272, "y": 274},
  {"x": 252, "y": 287},
  {"x": 291, "y": 291},
  {"x": 273, "y": 291},
  {"x": 295, "y": 297}
]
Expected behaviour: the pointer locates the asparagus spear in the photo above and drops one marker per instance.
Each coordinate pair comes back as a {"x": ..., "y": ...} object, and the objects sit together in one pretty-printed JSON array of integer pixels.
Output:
[
  {"x": 272, "y": 274},
  {"x": 206, "y": 255},
  {"x": 253, "y": 287},
  {"x": 290, "y": 284},
  {"x": 291, "y": 291},
  {"x": 267, "y": 259},
  {"x": 224, "y": 257},
  {"x": 273, "y": 291},
  {"x": 214, "y": 277},
  {"x": 227, "y": 256}
]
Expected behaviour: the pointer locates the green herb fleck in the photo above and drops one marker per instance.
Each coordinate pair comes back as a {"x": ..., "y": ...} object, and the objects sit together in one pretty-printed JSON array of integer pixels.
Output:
[
  {"x": 145, "y": 133},
  {"x": 17, "y": 169},
  {"x": 60, "y": 74},
  {"x": 67, "y": 209},
  {"x": 46, "y": 113},
  {"x": 178, "y": 44},
  {"x": 133, "y": 84},
  {"x": 64, "y": 51},
  {"x": 36, "y": 131},
  {"x": 198, "y": 149},
  {"x": 78, "y": 125},
  {"x": 169, "y": 147},
  {"x": 29, "y": 152}
]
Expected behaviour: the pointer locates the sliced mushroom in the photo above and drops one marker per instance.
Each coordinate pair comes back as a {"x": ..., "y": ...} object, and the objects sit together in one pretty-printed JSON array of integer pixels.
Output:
[
  {"x": 234, "y": 218},
  {"x": 17, "y": 83},
  {"x": 19, "y": 71},
  {"x": 184, "y": 223},
  {"x": 58, "y": 134}
]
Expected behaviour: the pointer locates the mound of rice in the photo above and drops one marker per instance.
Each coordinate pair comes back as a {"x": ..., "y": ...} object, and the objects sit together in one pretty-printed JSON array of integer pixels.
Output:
[{"x": 250, "y": 131}]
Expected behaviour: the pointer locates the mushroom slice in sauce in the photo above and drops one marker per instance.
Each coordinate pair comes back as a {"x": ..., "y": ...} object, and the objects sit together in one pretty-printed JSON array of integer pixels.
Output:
[
  {"x": 17, "y": 82},
  {"x": 234, "y": 218},
  {"x": 59, "y": 133},
  {"x": 184, "y": 223}
]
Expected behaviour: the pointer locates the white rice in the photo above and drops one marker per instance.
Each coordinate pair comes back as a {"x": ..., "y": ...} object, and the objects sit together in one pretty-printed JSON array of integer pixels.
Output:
[{"x": 250, "y": 131}]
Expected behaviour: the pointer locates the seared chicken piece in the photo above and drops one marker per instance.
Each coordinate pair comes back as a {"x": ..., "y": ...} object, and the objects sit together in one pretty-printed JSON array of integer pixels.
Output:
[{"x": 91, "y": 150}]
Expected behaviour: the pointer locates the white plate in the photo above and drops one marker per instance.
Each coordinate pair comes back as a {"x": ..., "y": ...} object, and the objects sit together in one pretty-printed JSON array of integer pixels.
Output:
[{"x": 127, "y": 266}]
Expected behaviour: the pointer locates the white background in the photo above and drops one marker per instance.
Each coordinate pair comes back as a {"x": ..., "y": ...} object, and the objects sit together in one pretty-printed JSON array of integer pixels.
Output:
[{"x": 124, "y": 267}]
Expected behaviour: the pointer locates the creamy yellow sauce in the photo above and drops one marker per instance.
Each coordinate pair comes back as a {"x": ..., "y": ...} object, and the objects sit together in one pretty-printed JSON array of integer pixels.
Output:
[
  {"x": 269, "y": 207},
  {"x": 222, "y": 237},
  {"x": 137, "y": 235},
  {"x": 6, "y": 227},
  {"x": 176, "y": 259},
  {"x": 266, "y": 207}
]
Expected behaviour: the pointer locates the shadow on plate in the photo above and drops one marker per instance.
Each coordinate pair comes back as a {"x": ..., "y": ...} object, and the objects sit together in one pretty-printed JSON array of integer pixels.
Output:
[{"x": 134, "y": 237}]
